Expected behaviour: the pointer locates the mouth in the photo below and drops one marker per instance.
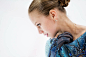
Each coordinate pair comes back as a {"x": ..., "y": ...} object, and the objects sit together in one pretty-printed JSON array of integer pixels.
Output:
[{"x": 46, "y": 34}]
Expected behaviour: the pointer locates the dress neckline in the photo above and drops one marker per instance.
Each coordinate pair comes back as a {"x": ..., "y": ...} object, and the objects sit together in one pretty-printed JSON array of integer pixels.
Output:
[
  {"x": 82, "y": 36},
  {"x": 71, "y": 42}
]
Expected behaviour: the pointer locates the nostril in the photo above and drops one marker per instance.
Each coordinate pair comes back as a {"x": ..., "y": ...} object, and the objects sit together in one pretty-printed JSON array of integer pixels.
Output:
[{"x": 40, "y": 32}]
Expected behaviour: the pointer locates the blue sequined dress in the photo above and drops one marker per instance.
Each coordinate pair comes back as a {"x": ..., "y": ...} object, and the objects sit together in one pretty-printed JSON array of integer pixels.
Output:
[{"x": 74, "y": 49}]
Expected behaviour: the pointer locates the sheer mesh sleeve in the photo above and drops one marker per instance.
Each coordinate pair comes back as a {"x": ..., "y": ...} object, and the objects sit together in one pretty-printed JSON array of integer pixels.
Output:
[{"x": 47, "y": 47}]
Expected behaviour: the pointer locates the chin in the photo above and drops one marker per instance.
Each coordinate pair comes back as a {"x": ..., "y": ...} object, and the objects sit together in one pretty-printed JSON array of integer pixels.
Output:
[{"x": 51, "y": 37}]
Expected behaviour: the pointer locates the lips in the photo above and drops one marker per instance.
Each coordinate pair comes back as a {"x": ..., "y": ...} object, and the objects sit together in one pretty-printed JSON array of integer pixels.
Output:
[{"x": 46, "y": 34}]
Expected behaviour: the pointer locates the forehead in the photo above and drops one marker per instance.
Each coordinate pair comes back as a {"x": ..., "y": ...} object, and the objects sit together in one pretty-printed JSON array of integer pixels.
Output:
[{"x": 35, "y": 16}]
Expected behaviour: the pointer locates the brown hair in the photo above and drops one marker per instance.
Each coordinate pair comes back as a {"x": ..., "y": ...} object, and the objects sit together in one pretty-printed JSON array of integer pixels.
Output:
[{"x": 44, "y": 6}]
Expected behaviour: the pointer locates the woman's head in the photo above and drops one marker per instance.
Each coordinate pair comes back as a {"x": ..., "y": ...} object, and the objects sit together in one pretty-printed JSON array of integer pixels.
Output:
[
  {"x": 44, "y": 6},
  {"x": 45, "y": 14}
]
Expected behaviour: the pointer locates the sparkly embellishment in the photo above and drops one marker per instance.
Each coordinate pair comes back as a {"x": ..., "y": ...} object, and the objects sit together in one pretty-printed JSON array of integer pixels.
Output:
[
  {"x": 70, "y": 54},
  {"x": 75, "y": 49}
]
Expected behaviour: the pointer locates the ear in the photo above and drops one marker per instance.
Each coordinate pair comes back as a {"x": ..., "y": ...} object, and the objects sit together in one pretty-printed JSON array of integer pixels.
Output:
[{"x": 53, "y": 14}]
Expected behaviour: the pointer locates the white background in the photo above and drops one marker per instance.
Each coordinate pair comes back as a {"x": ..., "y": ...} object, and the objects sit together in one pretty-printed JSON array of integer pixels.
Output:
[{"x": 19, "y": 37}]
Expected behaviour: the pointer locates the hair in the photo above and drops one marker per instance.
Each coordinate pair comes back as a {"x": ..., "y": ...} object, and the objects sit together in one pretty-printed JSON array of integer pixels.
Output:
[{"x": 44, "y": 6}]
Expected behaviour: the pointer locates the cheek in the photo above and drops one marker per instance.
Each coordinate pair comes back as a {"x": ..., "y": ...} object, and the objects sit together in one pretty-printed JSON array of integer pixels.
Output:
[
  {"x": 49, "y": 28},
  {"x": 46, "y": 28}
]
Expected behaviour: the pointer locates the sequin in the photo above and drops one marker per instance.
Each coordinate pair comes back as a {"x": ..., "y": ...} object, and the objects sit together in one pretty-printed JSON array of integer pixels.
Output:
[{"x": 70, "y": 54}]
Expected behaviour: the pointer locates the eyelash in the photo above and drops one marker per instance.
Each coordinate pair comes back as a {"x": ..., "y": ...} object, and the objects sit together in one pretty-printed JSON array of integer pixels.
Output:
[{"x": 38, "y": 24}]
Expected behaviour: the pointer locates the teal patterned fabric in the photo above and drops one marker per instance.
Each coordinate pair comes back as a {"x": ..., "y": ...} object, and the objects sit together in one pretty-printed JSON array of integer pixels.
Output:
[{"x": 74, "y": 49}]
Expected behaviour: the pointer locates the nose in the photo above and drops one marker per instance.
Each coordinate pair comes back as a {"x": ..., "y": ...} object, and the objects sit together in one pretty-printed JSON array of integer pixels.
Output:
[{"x": 40, "y": 31}]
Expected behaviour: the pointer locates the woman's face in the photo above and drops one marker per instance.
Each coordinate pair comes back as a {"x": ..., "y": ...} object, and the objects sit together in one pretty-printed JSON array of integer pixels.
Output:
[{"x": 45, "y": 25}]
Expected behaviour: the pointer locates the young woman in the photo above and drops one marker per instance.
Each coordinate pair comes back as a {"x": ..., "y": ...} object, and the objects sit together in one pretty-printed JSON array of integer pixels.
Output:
[{"x": 49, "y": 16}]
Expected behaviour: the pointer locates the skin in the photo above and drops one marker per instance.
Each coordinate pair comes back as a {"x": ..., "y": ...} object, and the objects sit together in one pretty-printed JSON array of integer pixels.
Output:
[{"x": 48, "y": 25}]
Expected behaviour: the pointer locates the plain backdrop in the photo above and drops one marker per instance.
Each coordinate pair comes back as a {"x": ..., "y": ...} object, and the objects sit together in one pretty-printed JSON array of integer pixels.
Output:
[{"x": 19, "y": 37}]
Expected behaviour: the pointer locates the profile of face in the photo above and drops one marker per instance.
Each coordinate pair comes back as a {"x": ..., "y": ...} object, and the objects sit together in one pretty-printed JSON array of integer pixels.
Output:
[{"x": 47, "y": 25}]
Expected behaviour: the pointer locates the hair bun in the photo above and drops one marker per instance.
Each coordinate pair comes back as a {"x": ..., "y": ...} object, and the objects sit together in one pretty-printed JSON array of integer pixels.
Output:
[{"x": 63, "y": 3}]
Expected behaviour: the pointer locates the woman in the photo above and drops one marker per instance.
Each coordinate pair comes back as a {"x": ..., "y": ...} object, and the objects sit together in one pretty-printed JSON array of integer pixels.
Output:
[{"x": 49, "y": 16}]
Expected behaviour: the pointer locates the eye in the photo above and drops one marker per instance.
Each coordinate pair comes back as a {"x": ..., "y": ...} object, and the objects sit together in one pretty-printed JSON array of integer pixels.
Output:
[{"x": 39, "y": 24}]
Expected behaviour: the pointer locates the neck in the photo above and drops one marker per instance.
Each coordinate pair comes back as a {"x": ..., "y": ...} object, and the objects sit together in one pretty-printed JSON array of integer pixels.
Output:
[{"x": 74, "y": 29}]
